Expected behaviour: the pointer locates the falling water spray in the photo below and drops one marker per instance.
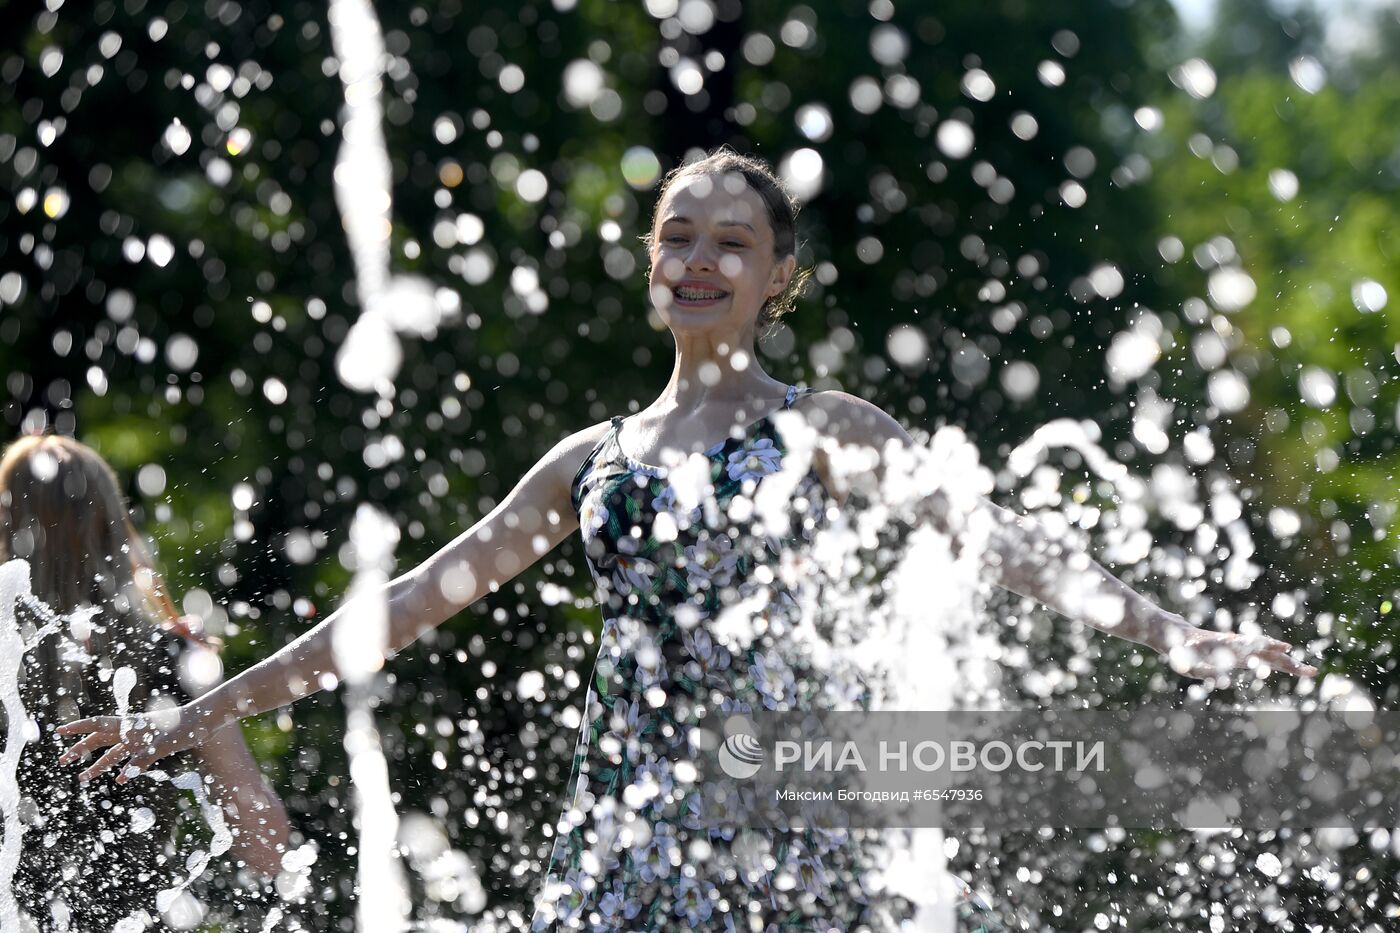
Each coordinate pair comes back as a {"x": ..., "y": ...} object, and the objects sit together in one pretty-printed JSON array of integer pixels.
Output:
[
  {"x": 360, "y": 643},
  {"x": 20, "y": 729},
  {"x": 370, "y": 357},
  {"x": 369, "y": 360}
]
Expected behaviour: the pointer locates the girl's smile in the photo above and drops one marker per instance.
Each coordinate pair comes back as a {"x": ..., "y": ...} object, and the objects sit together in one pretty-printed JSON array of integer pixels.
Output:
[{"x": 696, "y": 294}]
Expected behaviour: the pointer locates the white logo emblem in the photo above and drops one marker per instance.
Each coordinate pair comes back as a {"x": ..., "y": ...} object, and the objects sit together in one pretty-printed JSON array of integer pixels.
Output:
[{"x": 741, "y": 756}]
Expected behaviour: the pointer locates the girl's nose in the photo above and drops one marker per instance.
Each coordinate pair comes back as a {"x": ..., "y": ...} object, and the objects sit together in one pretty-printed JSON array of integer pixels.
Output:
[{"x": 702, "y": 254}]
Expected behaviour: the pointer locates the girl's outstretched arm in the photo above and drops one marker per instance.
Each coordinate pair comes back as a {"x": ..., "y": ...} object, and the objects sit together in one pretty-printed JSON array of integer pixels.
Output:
[
  {"x": 528, "y": 523},
  {"x": 1021, "y": 556}
]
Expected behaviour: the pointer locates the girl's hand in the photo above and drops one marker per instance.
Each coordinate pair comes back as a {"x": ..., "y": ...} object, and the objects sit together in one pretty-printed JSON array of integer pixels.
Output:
[
  {"x": 1206, "y": 654},
  {"x": 148, "y": 739}
]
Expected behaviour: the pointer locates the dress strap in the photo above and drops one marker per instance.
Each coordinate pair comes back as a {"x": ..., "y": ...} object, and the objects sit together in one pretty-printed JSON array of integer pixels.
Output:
[
  {"x": 586, "y": 467},
  {"x": 794, "y": 393}
]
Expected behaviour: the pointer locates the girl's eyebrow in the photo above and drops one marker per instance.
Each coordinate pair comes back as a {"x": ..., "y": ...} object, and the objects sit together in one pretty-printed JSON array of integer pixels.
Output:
[{"x": 676, "y": 219}]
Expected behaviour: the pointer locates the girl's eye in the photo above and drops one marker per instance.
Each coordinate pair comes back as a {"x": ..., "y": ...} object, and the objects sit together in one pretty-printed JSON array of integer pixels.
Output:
[{"x": 735, "y": 243}]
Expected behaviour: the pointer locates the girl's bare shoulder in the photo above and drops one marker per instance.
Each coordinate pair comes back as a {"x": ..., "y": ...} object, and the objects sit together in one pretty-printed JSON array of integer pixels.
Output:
[{"x": 848, "y": 419}]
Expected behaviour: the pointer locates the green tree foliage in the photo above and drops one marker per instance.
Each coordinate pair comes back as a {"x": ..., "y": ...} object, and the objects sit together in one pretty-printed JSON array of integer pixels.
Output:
[{"x": 1290, "y": 173}]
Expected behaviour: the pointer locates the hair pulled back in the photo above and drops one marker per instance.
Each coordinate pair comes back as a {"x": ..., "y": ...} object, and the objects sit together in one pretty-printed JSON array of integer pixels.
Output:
[{"x": 782, "y": 215}]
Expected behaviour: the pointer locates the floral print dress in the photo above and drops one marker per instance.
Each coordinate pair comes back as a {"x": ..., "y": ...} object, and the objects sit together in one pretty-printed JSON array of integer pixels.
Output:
[{"x": 637, "y": 847}]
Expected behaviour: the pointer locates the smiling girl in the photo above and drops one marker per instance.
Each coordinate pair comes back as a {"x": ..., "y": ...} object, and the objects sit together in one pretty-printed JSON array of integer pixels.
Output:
[{"x": 633, "y": 850}]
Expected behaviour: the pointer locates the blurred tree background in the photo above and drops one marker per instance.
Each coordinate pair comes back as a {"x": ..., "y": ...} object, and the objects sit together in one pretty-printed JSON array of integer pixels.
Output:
[{"x": 1016, "y": 212}]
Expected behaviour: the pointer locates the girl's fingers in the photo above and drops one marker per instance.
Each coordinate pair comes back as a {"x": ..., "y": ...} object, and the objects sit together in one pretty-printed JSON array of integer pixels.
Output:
[
  {"x": 114, "y": 754},
  {"x": 1297, "y": 668},
  {"x": 81, "y": 749},
  {"x": 1278, "y": 656},
  {"x": 80, "y": 726}
]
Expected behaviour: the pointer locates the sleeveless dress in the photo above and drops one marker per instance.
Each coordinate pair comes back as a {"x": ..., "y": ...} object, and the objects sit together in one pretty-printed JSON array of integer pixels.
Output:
[{"x": 634, "y": 849}]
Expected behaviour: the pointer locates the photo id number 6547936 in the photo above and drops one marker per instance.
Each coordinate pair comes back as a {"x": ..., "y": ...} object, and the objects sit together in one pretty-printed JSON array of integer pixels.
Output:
[{"x": 940, "y": 794}]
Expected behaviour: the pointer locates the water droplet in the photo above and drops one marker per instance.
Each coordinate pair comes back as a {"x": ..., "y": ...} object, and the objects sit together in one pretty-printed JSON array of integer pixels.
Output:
[
  {"x": 1024, "y": 126},
  {"x": 243, "y": 497},
  {"x": 979, "y": 85},
  {"x": 1106, "y": 280},
  {"x": 1227, "y": 390},
  {"x": 687, "y": 76},
  {"x": 511, "y": 78},
  {"x": 907, "y": 345},
  {"x": 814, "y": 122},
  {"x": 1230, "y": 288},
  {"x": 1308, "y": 73},
  {"x": 530, "y": 684},
  {"x": 640, "y": 167},
  {"x": 802, "y": 172},
  {"x": 50, "y": 60},
  {"x": 888, "y": 44},
  {"x": 150, "y": 479},
  {"x": 1051, "y": 73},
  {"x": 583, "y": 82},
  {"x": 1283, "y": 184},
  {"x": 955, "y": 139},
  {"x": 239, "y": 139},
  {"x": 1369, "y": 296},
  {"x": 696, "y": 16},
  {"x": 55, "y": 203},
  {"x": 1020, "y": 380},
  {"x": 142, "y": 819},
  {"x": 532, "y": 185},
  {"x": 866, "y": 96},
  {"x": 160, "y": 250},
  {"x": 1196, "y": 77},
  {"x": 1317, "y": 387}
]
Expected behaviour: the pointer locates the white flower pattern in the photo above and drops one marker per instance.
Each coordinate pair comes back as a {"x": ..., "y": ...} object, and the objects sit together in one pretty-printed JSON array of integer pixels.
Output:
[
  {"x": 593, "y": 515},
  {"x": 756, "y": 459},
  {"x": 711, "y": 563},
  {"x": 774, "y": 681},
  {"x": 666, "y": 503}
]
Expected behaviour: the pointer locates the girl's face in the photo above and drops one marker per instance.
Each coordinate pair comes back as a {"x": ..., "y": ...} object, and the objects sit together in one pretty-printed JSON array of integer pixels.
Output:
[{"x": 712, "y": 264}]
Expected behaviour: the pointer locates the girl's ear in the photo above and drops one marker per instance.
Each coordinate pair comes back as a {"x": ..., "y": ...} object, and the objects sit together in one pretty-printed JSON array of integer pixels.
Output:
[{"x": 782, "y": 275}]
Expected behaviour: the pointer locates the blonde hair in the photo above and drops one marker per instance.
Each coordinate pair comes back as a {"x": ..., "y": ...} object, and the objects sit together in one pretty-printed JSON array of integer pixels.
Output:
[
  {"x": 782, "y": 216},
  {"x": 61, "y": 509}
]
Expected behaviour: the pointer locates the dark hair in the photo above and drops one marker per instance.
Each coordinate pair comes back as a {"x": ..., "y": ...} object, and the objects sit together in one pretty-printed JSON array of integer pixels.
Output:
[{"x": 782, "y": 215}]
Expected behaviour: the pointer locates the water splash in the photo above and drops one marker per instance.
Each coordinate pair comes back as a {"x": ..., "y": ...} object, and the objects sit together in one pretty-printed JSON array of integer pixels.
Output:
[
  {"x": 360, "y": 645},
  {"x": 369, "y": 359},
  {"x": 370, "y": 356},
  {"x": 20, "y": 729},
  {"x": 123, "y": 681},
  {"x": 927, "y": 644},
  {"x": 198, "y": 860},
  {"x": 15, "y": 589}
]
